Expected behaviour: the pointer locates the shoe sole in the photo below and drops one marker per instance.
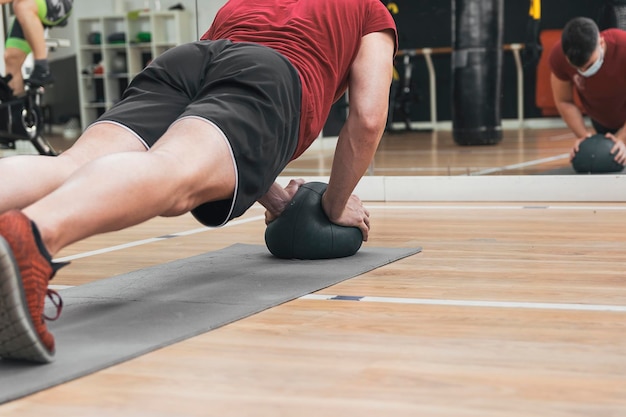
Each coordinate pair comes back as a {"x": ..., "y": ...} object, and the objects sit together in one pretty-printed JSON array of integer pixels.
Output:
[{"x": 19, "y": 339}]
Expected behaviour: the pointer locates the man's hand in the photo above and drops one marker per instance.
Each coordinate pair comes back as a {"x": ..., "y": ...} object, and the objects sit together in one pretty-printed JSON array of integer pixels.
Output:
[
  {"x": 618, "y": 150},
  {"x": 275, "y": 201},
  {"x": 354, "y": 214},
  {"x": 575, "y": 149}
]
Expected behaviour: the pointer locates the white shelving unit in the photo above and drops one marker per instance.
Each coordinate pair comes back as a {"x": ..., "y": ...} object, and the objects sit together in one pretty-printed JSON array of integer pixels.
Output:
[{"x": 105, "y": 67}]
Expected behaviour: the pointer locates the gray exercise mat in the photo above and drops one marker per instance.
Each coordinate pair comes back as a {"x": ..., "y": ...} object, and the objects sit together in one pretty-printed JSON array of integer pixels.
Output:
[{"x": 116, "y": 319}]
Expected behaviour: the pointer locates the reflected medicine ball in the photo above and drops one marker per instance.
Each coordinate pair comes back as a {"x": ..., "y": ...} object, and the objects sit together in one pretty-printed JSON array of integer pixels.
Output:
[
  {"x": 594, "y": 156},
  {"x": 303, "y": 230}
]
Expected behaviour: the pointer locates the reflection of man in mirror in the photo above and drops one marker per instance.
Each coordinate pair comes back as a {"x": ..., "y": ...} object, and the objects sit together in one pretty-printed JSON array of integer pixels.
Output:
[
  {"x": 591, "y": 63},
  {"x": 27, "y": 34}
]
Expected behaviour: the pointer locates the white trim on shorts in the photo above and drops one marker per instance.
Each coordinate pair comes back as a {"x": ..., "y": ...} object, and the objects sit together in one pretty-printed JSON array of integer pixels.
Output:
[
  {"x": 128, "y": 129},
  {"x": 232, "y": 157}
]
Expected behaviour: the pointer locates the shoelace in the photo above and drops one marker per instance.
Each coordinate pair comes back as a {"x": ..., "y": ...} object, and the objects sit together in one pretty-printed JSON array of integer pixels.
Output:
[{"x": 56, "y": 301}]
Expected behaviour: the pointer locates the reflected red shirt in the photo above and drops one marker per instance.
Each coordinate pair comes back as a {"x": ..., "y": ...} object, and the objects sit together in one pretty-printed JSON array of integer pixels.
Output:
[
  {"x": 602, "y": 95},
  {"x": 319, "y": 37}
]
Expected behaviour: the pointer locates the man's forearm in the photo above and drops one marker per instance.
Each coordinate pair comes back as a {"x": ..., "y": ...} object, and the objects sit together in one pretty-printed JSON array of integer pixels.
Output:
[
  {"x": 355, "y": 149},
  {"x": 573, "y": 118}
]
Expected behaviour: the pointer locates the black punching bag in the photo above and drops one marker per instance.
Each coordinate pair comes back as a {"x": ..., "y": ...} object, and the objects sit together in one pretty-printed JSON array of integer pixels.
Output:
[
  {"x": 612, "y": 15},
  {"x": 477, "y": 27}
]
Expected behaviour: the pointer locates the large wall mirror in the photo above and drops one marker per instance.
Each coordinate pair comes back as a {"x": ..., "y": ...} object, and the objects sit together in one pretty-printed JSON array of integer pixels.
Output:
[{"x": 419, "y": 137}]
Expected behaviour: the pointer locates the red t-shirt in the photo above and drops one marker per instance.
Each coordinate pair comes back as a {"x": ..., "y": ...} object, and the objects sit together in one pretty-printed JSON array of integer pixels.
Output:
[
  {"x": 602, "y": 95},
  {"x": 319, "y": 37}
]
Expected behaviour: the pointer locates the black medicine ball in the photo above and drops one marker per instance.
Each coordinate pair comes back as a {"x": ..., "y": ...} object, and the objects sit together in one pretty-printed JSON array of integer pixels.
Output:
[
  {"x": 303, "y": 230},
  {"x": 594, "y": 156}
]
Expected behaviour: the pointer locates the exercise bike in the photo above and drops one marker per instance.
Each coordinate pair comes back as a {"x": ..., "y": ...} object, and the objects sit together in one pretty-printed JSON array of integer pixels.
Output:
[{"x": 21, "y": 118}]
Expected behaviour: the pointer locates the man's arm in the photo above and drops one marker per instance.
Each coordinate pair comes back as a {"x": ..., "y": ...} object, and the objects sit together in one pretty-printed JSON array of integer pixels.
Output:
[
  {"x": 563, "y": 94},
  {"x": 619, "y": 149},
  {"x": 370, "y": 78},
  {"x": 369, "y": 82}
]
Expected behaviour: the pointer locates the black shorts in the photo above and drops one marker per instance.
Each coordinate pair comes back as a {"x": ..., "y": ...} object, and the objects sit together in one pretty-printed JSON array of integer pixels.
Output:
[
  {"x": 248, "y": 91},
  {"x": 602, "y": 129}
]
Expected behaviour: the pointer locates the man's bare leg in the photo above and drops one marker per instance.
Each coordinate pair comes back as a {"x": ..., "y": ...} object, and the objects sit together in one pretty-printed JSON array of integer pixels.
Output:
[
  {"x": 26, "y": 267},
  {"x": 191, "y": 164},
  {"x": 28, "y": 178}
]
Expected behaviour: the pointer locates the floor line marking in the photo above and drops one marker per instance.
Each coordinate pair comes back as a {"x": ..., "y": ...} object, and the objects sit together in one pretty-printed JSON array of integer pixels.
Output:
[
  {"x": 326, "y": 170},
  {"x": 453, "y": 303},
  {"x": 521, "y": 165},
  {"x": 152, "y": 240},
  {"x": 471, "y": 303},
  {"x": 492, "y": 207},
  {"x": 58, "y": 287},
  {"x": 563, "y": 136}
]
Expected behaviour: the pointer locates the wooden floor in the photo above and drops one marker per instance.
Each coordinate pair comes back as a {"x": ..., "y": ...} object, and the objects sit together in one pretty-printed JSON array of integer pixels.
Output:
[
  {"x": 512, "y": 309},
  {"x": 520, "y": 152}
]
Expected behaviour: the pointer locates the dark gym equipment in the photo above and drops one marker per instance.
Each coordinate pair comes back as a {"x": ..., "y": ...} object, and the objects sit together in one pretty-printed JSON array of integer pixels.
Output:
[
  {"x": 612, "y": 15},
  {"x": 94, "y": 38},
  {"x": 531, "y": 54},
  {"x": 594, "y": 156},
  {"x": 303, "y": 230},
  {"x": 21, "y": 118},
  {"x": 116, "y": 38},
  {"x": 477, "y": 28},
  {"x": 402, "y": 94}
]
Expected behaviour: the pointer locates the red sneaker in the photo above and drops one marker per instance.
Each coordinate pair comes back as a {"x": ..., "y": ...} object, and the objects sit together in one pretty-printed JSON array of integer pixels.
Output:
[{"x": 24, "y": 276}]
